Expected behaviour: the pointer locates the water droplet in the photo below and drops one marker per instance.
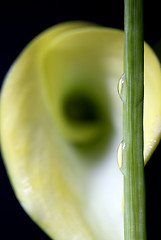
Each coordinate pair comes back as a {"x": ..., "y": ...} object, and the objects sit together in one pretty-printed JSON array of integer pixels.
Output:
[
  {"x": 122, "y": 87},
  {"x": 120, "y": 150}
]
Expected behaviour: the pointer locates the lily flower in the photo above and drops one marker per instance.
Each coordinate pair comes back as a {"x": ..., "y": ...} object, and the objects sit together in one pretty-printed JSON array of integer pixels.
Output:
[{"x": 61, "y": 125}]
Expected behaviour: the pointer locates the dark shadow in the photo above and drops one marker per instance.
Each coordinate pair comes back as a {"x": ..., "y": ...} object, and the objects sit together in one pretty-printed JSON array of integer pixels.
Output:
[{"x": 153, "y": 196}]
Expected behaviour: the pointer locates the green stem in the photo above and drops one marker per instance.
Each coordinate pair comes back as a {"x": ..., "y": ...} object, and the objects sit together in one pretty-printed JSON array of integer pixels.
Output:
[{"x": 133, "y": 162}]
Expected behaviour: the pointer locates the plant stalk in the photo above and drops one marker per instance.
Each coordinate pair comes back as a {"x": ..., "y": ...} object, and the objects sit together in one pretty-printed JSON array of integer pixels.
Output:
[{"x": 133, "y": 161}]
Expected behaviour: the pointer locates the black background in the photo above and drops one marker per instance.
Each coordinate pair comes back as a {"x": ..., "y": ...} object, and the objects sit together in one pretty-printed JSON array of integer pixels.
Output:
[{"x": 21, "y": 22}]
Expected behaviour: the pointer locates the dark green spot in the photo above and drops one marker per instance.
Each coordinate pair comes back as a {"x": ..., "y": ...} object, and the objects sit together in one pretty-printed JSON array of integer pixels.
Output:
[{"x": 80, "y": 108}]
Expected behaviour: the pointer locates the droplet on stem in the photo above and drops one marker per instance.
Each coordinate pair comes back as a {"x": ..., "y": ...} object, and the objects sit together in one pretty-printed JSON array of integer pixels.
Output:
[
  {"x": 120, "y": 150},
  {"x": 122, "y": 87}
]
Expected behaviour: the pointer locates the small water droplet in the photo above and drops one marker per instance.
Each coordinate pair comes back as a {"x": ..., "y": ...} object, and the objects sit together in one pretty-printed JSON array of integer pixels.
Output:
[
  {"x": 120, "y": 150},
  {"x": 122, "y": 87}
]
